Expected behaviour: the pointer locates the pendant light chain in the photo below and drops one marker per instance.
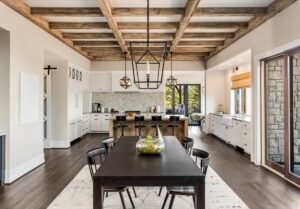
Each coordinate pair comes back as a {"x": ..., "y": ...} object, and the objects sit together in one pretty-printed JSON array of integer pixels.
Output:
[
  {"x": 171, "y": 63},
  {"x": 125, "y": 64},
  {"x": 148, "y": 22}
]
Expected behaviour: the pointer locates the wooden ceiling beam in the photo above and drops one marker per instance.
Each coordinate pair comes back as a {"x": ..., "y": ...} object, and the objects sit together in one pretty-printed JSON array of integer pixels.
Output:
[
  {"x": 79, "y": 25},
  {"x": 276, "y": 7},
  {"x": 190, "y": 8},
  {"x": 25, "y": 11},
  {"x": 107, "y": 13},
  {"x": 218, "y": 25},
  {"x": 69, "y": 11},
  {"x": 227, "y": 11},
  {"x": 201, "y": 43},
  {"x": 194, "y": 49},
  {"x": 119, "y": 12},
  {"x": 101, "y": 49},
  {"x": 207, "y": 35}
]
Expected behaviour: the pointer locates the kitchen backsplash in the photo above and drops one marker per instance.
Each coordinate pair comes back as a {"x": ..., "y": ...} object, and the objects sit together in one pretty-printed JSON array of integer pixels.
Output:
[{"x": 130, "y": 101}]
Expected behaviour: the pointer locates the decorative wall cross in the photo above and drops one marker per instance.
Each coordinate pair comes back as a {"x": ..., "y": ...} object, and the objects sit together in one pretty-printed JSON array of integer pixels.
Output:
[{"x": 49, "y": 68}]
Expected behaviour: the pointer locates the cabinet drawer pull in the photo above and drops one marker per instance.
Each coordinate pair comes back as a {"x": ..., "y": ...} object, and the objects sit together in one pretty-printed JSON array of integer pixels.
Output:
[
  {"x": 95, "y": 119},
  {"x": 245, "y": 134},
  {"x": 246, "y": 145}
]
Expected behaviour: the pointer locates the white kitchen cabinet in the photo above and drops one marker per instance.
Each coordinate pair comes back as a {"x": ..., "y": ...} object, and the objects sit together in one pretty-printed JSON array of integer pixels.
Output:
[
  {"x": 237, "y": 133},
  {"x": 95, "y": 123},
  {"x": 86, "y": 125},
  {"x": 105, "y": 122},
  {"x": 75, "y": 130},
  {"x": 100, "y": 82}
]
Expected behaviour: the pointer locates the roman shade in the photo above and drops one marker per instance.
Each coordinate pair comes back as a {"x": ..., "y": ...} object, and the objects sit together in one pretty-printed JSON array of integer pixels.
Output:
[{"x": 241, "y": 81}]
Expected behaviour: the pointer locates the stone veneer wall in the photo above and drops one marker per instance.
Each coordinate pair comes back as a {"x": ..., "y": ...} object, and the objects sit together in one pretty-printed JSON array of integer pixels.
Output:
[
  {"x": 123, "y": 101},
  {"x": 296, "y": 107},
  {"x": 275, "y": 104}
]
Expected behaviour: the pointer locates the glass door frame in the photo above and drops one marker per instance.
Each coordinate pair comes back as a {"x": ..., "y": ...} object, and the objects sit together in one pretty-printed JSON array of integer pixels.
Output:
[{"x": 288, "y": 115}]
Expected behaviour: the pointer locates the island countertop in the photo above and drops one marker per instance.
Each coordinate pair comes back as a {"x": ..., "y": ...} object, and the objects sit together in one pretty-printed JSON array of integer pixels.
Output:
[{"x": 149, "y": 117}]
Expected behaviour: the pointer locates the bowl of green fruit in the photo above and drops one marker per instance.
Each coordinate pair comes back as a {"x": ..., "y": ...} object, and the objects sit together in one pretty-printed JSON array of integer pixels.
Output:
[{"x": 150, "y": 145}]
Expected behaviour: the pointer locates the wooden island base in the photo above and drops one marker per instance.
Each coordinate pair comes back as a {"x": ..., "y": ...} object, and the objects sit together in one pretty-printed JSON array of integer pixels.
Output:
[{"x": 180, "y": 132}]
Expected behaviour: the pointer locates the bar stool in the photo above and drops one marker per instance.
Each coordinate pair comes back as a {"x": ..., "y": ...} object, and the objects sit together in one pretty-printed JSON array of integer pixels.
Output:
[
  {"x": 138, "y": 122},
  {"x": 174, "y": 120},
  {"x": 120, "y": 123},
  {"x": 156, "y": 119}
]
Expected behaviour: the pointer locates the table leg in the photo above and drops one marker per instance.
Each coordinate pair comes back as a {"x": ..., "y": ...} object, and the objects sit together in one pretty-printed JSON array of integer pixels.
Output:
[
  {"x": 98, "y": 197},
  {"x": 200, "y": 195}
]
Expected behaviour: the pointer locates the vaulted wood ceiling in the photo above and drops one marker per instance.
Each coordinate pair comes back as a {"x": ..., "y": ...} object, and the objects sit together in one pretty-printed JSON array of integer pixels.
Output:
[{"x": 194, "y": 29}]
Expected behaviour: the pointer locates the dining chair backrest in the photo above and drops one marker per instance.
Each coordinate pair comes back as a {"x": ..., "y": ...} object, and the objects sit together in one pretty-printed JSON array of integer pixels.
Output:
[
  {"x": 95, "y": 158},
  {"x": 189, "y": 147},
  {"x": 204, "y": 159}
]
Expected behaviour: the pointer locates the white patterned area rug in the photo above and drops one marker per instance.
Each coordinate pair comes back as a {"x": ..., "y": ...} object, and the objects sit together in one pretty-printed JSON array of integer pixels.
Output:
[{"x": 78, "y": 195}]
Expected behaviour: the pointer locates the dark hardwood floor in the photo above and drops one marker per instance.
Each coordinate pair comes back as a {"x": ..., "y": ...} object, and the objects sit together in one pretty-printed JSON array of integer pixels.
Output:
[{"x": 257, "y": 187}]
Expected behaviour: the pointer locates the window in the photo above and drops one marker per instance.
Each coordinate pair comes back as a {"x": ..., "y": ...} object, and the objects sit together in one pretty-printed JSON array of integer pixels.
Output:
[
  {"x": 241, "y": 101},
  {"x": 183, "y": 99}
]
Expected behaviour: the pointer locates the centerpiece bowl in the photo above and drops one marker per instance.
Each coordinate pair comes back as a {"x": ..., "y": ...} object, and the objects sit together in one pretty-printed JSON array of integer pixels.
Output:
[{"x": 150, "y": 145}]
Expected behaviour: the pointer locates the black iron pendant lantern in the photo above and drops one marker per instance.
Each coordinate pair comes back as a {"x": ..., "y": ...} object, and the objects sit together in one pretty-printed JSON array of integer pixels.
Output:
[
  {"x": 148, "y": 65},
  {"x": 125, "y": 82},
  {"x": 171, "y": 81}
]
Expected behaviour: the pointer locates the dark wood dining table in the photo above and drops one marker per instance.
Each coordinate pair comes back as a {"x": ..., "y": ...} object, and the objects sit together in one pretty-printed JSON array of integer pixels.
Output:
[{"x": 124, "y": 166}]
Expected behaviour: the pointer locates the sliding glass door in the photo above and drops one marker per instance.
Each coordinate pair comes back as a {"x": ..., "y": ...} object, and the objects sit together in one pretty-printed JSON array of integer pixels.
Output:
[
  {"x": 294, "y": 143},
  {"x": 282, "y": 114}
]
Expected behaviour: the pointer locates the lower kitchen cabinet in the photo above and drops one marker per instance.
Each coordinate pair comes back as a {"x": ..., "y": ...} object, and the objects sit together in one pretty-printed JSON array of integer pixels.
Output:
[
  {"x": 100, "y": 122},
  {"x": 237, "y": 133},
  {"x": 75, "y": 130}
]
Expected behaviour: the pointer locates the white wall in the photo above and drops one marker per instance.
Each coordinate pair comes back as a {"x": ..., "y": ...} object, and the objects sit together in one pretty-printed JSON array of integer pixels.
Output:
[
  {"x": 280, "y": 33},
  {"x": 27, "y": 45}
]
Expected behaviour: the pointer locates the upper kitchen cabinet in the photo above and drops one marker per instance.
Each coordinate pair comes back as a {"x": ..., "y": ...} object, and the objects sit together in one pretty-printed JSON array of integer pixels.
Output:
[{"x": 101, "y": 82}]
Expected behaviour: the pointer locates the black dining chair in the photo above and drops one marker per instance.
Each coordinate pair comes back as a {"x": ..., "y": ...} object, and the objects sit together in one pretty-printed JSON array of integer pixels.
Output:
[
  {"x": 156, "y": 119},
  {"x": 121, "y": 119},
  {"x": 95, "y": 158},
  {"x": 138, "y": 123},
  {"x": 188, "y": 190},
  {"x": 188, "y": 144},
  {"x": 173, "y": 126}
]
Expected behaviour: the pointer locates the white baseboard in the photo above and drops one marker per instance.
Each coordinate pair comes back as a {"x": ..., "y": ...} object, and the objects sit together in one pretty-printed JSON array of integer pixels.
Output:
[
  {"x": 20, "y": 170},
  {"x": 61, "y": 144}
]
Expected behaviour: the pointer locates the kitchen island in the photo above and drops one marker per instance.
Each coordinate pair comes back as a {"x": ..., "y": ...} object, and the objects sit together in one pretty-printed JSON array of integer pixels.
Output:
[{"x": 180, "y": 131}]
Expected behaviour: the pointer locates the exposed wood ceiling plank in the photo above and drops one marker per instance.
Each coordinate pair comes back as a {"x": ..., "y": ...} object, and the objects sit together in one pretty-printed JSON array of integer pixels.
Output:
[
  {"x": 101, "y": 49},
  {"x": 143, "y": 11},
  {"x": 195, "y": 49},
  {"x": 207, "y": 35},
  {"x": 190, "y": 8},
  {"x": 78, "y": 25},
  {"x": 276, "y": 7},
  {"x": 24, "y": 10},
  {"x": 61, "y": 11},
  {"x": 88, "y": 35},
  {"x": 227, "y": 11},
  {"x": 168, "y": 36},
  {"x": 143, "y": 25},
  {"x": 95, "y": 43},
  {"x": 201, "y": 43},
  {"x": 106, "y": 11},
  {"x": 218, "y": 25}
]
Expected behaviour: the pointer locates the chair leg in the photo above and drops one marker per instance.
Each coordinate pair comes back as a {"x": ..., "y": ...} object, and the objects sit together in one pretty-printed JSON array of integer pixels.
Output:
[
  {"x": 165, "y": 201},
  {"x": 134, "y": 192},
  {"x": 130, "y": 198},
  {"x": 160, "y": 190},
  {"x": 106, "y": 194},
  {"x": 194, "y": 200},
  {"x": 171, "y": 201},
  {"x": 122, "y": 200}
]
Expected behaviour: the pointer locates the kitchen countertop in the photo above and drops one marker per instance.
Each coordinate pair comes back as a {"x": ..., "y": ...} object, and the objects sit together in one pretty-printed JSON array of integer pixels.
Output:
[
  {"x": 2, "y": 134},
  {"x": 149, "y": 118},
  {"x": 242, "y": 119}
]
